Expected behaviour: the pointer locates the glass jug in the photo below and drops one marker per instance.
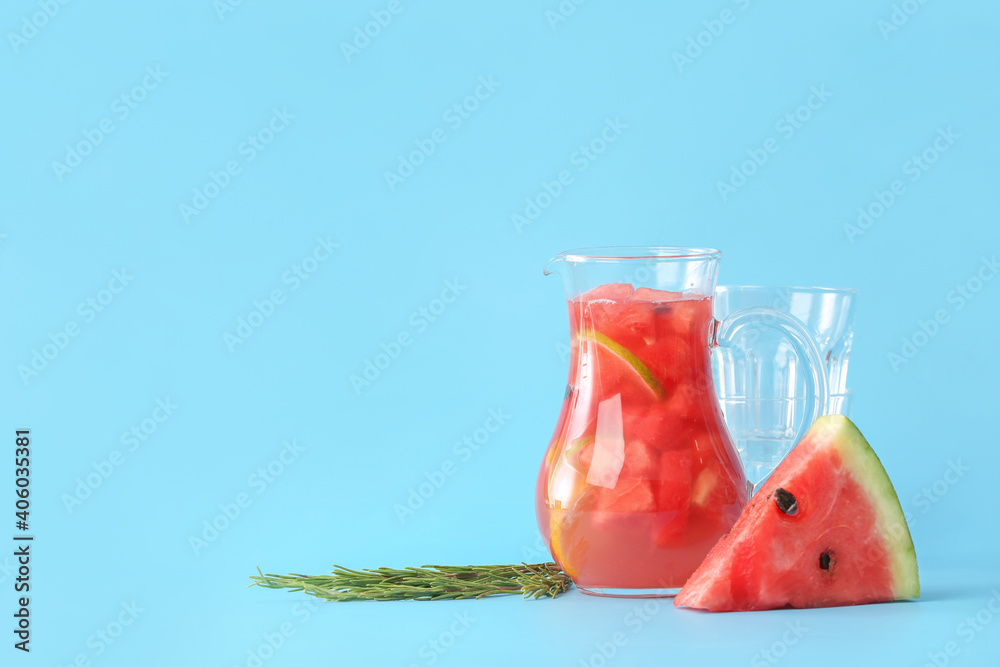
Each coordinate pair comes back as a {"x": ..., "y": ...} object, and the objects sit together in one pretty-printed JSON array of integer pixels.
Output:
[{"x": 641, "y": 477}]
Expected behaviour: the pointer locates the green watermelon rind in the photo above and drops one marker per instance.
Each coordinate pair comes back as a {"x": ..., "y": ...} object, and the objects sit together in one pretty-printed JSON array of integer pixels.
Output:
[{"x": 864, "y": 464}]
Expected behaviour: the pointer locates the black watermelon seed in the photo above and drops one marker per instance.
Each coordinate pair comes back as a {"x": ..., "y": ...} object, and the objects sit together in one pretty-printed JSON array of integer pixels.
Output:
[
  {"x": 786, "y": 502},
  {"x": 824, "y": 560}
]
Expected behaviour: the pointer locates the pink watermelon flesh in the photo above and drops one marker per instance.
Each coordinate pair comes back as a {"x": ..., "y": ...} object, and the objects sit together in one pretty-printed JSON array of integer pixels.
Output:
[
  {"x": 612, "y": 291},
  {"x": 825, "y": 530}
]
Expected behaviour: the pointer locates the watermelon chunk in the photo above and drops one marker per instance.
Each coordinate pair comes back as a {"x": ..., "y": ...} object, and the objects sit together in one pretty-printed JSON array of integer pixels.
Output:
[
  {"x": 655, "y": 295},
  {"x": 825, "y": 530},
  {"x": 612, "y": 291},
  {"x": 628, "y": 496}
]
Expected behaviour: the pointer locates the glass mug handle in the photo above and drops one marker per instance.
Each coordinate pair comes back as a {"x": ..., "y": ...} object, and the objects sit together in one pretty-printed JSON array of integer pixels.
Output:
[{"x": 729, "y": 330}]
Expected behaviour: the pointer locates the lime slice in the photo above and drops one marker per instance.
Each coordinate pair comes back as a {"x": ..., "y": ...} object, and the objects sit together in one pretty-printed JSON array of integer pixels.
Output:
[{"x": 628, "y": 357}]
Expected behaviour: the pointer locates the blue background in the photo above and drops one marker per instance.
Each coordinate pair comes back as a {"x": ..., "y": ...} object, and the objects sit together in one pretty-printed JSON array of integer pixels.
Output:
[{"x": 555, "y": 82}]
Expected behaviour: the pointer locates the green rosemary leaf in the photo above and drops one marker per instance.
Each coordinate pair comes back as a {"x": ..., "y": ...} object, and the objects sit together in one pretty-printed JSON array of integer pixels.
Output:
[{"x": 429, "y": 582}]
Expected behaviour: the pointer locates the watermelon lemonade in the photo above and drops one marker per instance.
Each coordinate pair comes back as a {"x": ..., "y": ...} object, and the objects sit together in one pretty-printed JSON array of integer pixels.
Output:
[{"x": 640, "y": 478}]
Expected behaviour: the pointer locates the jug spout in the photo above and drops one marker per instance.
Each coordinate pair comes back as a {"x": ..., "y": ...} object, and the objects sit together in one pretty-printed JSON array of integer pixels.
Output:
[{"x": 555, "y": 264}]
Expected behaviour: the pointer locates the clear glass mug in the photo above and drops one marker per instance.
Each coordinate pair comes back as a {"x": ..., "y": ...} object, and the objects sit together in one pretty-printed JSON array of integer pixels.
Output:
[
  {"x": 641, "y": 477},
  {"x": 760, "y": 384}
]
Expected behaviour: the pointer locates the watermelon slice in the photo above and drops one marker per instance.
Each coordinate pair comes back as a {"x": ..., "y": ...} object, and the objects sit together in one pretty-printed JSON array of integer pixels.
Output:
[{"x": 826, "y": 529}]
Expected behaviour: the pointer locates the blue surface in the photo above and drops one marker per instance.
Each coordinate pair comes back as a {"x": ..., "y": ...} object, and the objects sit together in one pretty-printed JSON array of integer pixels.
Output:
[{"x": 248, "y": 139}]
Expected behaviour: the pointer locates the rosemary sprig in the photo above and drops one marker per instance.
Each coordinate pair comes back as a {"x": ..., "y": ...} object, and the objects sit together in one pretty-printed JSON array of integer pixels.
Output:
[{"x": 430, "y": 582}]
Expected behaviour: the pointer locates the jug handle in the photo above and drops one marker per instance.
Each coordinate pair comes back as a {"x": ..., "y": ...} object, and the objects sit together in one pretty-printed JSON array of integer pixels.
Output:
[{"x": 748, "y": 319}]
